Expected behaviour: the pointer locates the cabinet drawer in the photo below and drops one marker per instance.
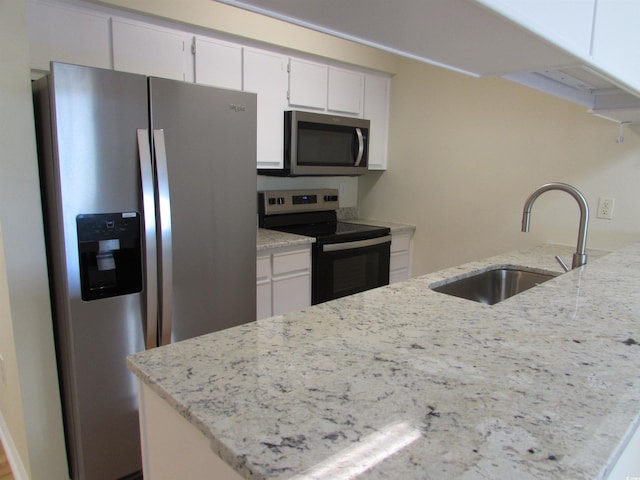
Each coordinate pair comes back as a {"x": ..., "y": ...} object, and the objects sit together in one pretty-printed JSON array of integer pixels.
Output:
[
  {"x": 400, "y": 242},
  {"x": 291, "y": 261},
  {"x": 263, "y": 267}
]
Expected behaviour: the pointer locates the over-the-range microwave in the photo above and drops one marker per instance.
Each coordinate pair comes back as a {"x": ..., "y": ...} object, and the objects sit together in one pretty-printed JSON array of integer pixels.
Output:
[{"x": 323, "y": 144}]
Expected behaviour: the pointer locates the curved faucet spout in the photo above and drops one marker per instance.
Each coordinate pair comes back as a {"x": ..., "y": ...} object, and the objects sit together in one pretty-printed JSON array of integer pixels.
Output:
[{"x": 580, "y": 257}]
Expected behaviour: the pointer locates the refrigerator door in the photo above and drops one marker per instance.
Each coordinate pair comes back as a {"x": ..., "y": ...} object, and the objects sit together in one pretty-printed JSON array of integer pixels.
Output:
[
  {"x": 210, "y": 147},
  {"x": 89, "y": 164}
]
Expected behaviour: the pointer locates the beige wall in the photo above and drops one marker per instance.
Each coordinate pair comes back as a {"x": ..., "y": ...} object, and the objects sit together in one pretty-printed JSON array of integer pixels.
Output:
[
  {"x": 30, "y": 403},
  {"x": 465, "y": 153}
]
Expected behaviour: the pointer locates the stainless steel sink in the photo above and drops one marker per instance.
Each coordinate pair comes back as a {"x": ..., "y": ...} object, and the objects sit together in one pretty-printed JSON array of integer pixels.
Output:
[{"x": 494, "y": 285}]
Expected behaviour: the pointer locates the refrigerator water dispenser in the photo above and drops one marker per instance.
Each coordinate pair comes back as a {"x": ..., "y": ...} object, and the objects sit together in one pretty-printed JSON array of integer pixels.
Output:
[{"x": 110, "y": 254}]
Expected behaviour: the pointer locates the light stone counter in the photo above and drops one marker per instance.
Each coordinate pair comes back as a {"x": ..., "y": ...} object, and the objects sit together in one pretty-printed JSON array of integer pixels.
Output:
[
  {"x": 273, "y": 239},
  {"x": 405, "y": 383}
]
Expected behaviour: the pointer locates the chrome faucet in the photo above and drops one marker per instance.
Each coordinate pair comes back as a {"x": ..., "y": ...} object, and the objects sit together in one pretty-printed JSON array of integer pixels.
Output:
[{"x": 580, "y": 257}]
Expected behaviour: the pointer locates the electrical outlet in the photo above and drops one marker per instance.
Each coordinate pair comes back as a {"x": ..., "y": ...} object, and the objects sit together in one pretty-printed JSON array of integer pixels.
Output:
[{"x": 605, "y": 207}]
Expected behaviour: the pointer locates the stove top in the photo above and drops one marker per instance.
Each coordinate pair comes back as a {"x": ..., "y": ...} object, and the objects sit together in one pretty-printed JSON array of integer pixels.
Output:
[
  {"x": 311, "y": 213},
  {"x": 335, "y": 231}
]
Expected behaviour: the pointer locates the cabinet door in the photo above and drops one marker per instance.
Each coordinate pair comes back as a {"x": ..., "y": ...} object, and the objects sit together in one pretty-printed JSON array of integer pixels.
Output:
[
  {"x": 263, "y": 287},
  {"x": 400, "y": 261},
  {"x": 291, "y": 280},
  {"x": 345, "y": 91},
  {"x": 150, "y": 50},
  {"x": 307, "y": 84},
  {"x": 218, "y": 63},
  {"x": 265, "y": 73},
  {"x": 66, "y": 34},
  {"x": 616, "y": 34},
  {"x": 376, "y": 110},
  {"x": 291, "y": 293}
]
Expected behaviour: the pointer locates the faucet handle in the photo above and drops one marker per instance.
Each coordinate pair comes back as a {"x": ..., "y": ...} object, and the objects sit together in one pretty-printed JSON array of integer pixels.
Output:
[{"x": 562, "y": 264}]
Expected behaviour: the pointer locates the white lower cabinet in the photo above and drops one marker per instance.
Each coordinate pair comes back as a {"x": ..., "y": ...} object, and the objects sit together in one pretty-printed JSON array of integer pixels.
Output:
[
  {"x": 263, "y": 286},
  {"x": 400, "y": 262},
  {"x": 172, "y": 447},
  {"x": 283, "y": 280}
]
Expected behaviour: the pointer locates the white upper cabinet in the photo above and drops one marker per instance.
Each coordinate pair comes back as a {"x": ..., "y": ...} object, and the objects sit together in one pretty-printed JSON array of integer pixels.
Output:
[
  {"x": 308, "y": 84},
  {"x": 376, "y": 109},
  {"x": 324, "y": 88},
  {"x": 150, "y": 50},
  {"x": 66, "y": 32},
  {"x": 265, "y": 73},
  {"x": 71, "y": 35},
  {"x": 218, "y": 63},
  {"x": 345, "y": 91},
  {"x": 567, "y": 23},
  {"x": 616, "y": 39}
]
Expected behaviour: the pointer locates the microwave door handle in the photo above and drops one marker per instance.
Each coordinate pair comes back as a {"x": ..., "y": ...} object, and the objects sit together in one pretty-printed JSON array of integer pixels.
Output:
[
  {"x": 360, "y": 147},
  {"x": 166, "y": 260},
  {"x": 150, "y": 295}
]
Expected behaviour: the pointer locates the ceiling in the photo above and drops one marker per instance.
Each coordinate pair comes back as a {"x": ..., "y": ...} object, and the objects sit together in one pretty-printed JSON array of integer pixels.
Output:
[{"x": 456, "y": 34}]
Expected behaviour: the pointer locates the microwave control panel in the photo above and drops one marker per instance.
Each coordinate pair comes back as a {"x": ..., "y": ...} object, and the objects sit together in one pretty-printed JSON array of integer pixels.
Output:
[{"x": 275, "y": 202}]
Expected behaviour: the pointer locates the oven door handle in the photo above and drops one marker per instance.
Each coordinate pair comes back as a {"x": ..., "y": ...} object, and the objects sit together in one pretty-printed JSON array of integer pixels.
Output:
[{"x": 335, "y": 247}]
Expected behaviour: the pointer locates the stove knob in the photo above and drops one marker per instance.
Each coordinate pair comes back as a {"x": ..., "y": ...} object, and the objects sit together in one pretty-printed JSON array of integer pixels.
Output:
[
  {"x": 272, "y": 201},
  {"x": 280, "y": 200},
  {"x": 334, "y": 198}
]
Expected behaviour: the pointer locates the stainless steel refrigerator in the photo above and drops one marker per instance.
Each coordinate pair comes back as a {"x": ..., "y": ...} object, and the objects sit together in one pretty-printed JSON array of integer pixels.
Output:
[{"x": 149, "y": 199}]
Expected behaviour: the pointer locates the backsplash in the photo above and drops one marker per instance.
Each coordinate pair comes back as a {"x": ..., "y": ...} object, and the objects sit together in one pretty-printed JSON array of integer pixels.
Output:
[{"x": 348, "y": 213}]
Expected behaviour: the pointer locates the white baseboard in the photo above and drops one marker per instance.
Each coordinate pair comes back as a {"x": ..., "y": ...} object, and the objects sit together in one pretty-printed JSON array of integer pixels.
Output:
[{"x": 17, "y": 467}]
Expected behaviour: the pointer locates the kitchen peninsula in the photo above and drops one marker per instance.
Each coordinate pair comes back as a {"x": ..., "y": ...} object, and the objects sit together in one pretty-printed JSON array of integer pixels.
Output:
[{"x": 404, "y": 382}]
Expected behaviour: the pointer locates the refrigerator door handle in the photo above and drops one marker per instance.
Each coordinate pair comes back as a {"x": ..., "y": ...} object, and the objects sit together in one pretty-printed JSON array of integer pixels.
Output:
[
  {"x": 150, "y": 295},
  {"x": 164, "y": 219}
]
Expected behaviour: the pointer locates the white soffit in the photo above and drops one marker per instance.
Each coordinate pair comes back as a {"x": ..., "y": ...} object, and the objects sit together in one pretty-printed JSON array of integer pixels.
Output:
[{"x": 456, "y": 34}]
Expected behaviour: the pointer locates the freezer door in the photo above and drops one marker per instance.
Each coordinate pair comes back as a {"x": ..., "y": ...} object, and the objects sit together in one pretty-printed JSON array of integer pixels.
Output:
[
  {"x": 87, "y": 121},
  {"x": 207, "y": 137}
]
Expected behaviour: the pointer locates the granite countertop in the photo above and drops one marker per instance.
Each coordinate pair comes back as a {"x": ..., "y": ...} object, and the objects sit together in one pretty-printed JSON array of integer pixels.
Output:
[
  {"x": 402, "y": 382},
  {"x": 273, "y": 239}
]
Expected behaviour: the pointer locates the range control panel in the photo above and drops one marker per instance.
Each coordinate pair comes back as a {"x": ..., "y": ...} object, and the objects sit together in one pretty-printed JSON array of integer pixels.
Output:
[{"x": 275, "y": 202}]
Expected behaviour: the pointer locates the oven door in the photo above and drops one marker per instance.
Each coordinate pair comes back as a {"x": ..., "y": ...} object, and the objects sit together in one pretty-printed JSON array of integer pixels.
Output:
[{"x": 341, "y": 269}]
